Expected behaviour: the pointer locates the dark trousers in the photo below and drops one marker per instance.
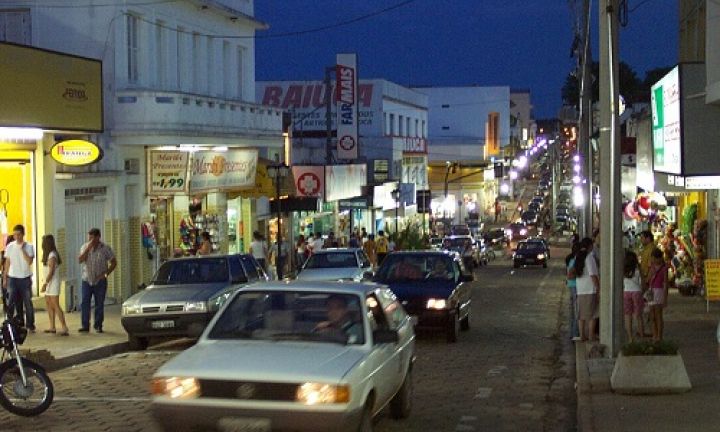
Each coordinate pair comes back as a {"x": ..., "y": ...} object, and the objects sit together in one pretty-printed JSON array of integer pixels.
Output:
[
  {"x": 381, "y": 257},
  {"x": 97, "y": 292},
  {"x": 20, "y": 293}
]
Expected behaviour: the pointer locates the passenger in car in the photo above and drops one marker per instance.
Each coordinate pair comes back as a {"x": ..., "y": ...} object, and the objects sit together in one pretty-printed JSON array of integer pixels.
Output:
[{"x": 340, "y": 318}]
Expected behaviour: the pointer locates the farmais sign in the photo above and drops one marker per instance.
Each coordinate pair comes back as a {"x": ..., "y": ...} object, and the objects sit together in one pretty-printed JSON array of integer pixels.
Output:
[{"x": 347, "y": 107}]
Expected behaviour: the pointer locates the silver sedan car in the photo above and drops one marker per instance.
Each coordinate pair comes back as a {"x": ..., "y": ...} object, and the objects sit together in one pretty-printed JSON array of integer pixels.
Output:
[
  {"x": 300, "y": 356},
  {"x": 336, "y": 265}
]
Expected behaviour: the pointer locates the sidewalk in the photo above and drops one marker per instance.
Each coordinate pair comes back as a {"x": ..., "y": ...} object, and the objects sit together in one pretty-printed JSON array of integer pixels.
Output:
[
  {"x": 686, "y": 323},
  {"x": 56, "y": 352}
]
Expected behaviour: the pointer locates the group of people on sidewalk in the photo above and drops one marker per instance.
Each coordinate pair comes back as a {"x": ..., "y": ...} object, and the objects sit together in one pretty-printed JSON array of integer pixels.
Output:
[
  {"x": 96, "y": 258},
  {"x": 645, "y": 288}
]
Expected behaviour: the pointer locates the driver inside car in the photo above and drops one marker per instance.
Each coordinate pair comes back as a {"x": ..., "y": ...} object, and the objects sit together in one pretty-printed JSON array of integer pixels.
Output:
[
  {"x": 340, "y": 319},
  {"x": 439, "y": 271}
]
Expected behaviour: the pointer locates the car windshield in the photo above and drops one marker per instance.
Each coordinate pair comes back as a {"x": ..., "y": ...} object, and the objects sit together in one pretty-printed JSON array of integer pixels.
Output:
[
  {"x": 192, "y": 271},
  {"x": 527, "y": 246},
  {"x": 461, "y": 230},
  {"x": 332, "y": 260},
  {"x": 292, "y": 316},
  {"x": 456, "y": 243},
  {"x": 416, "y": 267}
]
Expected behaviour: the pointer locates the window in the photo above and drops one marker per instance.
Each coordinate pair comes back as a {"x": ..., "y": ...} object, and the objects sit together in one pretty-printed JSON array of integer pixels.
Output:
[
  {"x": 210, "y": 74},
  {"x": 401, "y": 126},
  {"x": 407, "y": 126},
  {"x": 376, "y": 316},
  {"x": 446, "y": 128},
  {"x": 15, "y": 26},
  {"x": 417, "y": 128},
  {"x": 250, "y": 268},
  {"x": 394, "y": 313},
  {"x": 160, "y": 54},
  {"x": 194, "y": 271},
  {"x": 226, "y": 80},
  {"x": 182, "y": 83},
  {"x": 445, "y": 105},
  {"x": 386, "y": 123},
  {"x": 194, "y": 56},
  {"x": 392, "y": 124},
  {"x": 240, "y": 72},
  {"x": 422, "y": 132},
  {"x": 133, "y": 56}
]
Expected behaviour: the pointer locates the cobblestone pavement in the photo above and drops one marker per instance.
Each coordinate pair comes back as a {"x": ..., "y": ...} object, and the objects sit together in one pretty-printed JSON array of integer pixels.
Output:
[{"x": 506, "y": 373}]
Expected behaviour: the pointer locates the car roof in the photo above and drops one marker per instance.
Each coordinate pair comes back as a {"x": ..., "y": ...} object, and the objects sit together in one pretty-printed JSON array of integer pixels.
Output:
[
  {"x": 200, "y": 257},
  {"x": 329, "y": 250},
  {"x": 315, "y": 286}
]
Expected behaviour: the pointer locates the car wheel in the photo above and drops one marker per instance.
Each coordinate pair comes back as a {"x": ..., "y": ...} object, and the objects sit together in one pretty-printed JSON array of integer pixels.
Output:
[
  {"x": 366, "y": 421},
  {"x": 401, "y": 404},
  {"x": 453, "y": 328},
  {"x": 465, "y": 322},
  {"x": 137, "y": 343}
]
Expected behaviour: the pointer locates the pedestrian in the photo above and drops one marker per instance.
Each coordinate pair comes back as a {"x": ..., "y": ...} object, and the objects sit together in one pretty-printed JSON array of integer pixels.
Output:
[
  {"x": 369, "y": 248},
  {"x": 571, "y": 283},
  {"x": 354, "y": 240},
  {"x": 51, "y": 287},
  {"x": 317, "y": 244},
  {"x": 498, "y": 210},
  {"x": 279, "y": 260},
  {"x": 632, "y": 296},
  {"x": 363, "y": 234},
  {"x": 658, "y": 283},
  {"x": 259, "y": 250},
  {"x": 19, "y": 310},
  {"x": 95, "y": 257},
  {"x": 381, "y": 247},
  {"x": 17, "y": 275},
  {"x": 300, "y": 252},
  {"x": 331, "y": 241},
  {"x": 587, "y": 285},
  {"x": 206, "y": 245}
]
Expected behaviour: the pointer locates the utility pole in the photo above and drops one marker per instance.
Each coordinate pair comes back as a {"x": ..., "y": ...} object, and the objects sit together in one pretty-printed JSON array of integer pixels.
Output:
[
  {"x": 585, "y": 122},
  {"x": 328, "y": 114},
  {"x": 611, "y": 257}
]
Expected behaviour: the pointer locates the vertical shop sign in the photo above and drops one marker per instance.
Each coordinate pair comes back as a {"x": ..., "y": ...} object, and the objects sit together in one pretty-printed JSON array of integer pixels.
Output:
[
  {"x": 234, "y": 169},
  {"x": 167, "y": 173},
  {"x": 347, "y": 106},
  {"x": 712, "y": 279}
]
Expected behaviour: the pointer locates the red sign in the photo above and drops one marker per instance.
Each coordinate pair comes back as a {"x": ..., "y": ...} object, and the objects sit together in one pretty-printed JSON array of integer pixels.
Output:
[
  {"x": 308, "y": 95},
  {"x": 309, "y": 180},
  {"x": 415, "y": 145}
]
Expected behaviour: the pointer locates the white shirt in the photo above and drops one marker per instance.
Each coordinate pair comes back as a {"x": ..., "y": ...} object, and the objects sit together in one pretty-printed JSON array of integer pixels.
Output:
[
  {"x": 259, "y": 250},
  {"x": 318, "y": 244},
  {"x": 584, "y": 283},
  {"x": 632, "y": 284},
  {"x": 19, "y": 268}
]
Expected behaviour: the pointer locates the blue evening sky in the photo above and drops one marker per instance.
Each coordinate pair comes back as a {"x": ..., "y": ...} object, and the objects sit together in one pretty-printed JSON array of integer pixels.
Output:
[{"x": 520, "y": 43}]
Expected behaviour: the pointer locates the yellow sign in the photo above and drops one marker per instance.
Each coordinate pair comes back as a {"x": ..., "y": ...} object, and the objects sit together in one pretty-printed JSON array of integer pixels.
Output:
[
  {"x": 263, "y": 184},
  {"x": 76, "y": 152},
  {"x": 49, "y": 90},
  {"x": 712, "y": 279}
]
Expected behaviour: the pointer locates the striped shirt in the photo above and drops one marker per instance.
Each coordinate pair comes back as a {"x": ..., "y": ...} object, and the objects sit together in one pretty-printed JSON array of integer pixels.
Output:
[{"x": 96, "y": 264}]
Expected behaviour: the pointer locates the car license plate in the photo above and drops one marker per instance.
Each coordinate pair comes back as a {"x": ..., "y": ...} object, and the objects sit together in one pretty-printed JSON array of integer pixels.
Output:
[
  {"x": 236, "y": 424},
  {"x": 529, "y": 260},
  {"x": 162, "y": 324}
]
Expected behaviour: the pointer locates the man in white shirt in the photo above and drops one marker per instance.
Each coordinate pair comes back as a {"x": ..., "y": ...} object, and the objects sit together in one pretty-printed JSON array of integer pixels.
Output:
[
  {"x": 318, "y": 243},
  {"x": 17, "y": 275}
]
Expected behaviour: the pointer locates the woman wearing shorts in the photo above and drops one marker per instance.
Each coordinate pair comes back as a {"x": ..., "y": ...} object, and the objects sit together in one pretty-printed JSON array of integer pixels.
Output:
[
  {"x": 587, "y": 284},
  {"x": 51, "y": 286},
  {"x": 632, "y": 295},
  {"x": 659, "y": 286}
]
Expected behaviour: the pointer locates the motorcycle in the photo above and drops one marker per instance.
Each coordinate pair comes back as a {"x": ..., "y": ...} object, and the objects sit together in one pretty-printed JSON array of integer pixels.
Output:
[{"x": 25, "y": 388}]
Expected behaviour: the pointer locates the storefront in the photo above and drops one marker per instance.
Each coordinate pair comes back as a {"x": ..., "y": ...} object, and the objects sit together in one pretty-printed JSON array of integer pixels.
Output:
[{"x": 54, "y": 97}]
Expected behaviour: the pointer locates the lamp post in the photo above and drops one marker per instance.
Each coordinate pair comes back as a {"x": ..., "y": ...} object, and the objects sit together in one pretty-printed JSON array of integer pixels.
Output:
[
  {"x": 278, "y": 172},
  {"x": 396, "y": 196}
]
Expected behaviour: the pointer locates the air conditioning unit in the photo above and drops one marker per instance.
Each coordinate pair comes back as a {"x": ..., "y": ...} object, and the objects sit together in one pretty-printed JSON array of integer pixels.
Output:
[{"x": 132, "y": 166}]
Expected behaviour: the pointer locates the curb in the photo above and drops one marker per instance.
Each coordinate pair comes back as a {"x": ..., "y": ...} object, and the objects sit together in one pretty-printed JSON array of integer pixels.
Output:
[
  {"x": 584, "y": 389},
  {"x": 51, "y": 364}
]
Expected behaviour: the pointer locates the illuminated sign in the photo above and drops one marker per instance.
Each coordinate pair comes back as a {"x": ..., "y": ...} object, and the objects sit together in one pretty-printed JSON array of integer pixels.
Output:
[
  {"x": 76, "y": 152},
  {"x": 347, "y": 106},
  {"x": 666, "y": 132}
]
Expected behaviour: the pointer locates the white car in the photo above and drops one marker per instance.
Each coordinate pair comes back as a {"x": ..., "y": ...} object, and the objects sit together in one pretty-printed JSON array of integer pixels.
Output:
[
  {"x": 301, "y": 356},
  {"x": 336, "y": 265}
]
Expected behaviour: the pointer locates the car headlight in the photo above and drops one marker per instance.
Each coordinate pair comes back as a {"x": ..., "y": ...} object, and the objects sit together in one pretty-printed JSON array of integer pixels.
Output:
[
  {"x": 318, "y": 393},
  {"x": 196, "y": 307},
  {"x": 541, "y": 256},
  {"x": 436, "y": 303},
  {"x": 523, "y": 231},
  {"x": 131, "y": 308},
  {"x": 175, "y": 387}
]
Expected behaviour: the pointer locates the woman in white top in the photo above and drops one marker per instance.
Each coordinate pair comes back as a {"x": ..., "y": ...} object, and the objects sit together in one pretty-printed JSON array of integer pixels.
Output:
[
  {"x": 632, "y": 295},
  {"x": 51, "y": 286},
  {"x": 587, "y": 284},
  {"x": 259, "y": 250}
]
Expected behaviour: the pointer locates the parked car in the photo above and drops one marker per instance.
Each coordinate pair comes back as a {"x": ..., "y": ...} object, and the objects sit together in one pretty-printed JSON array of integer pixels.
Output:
[
  {"x": 436, "y": 243},
  {"x": 530, "y": 252},
  {"x": 466, "y": 247},
  {"x": 433, "y": 286},
  {"x": 301, "y": 356},
  {"x": 529, "y": 217},
  {"x": 534, "y": 207},
  {"x": 335, "y": 264},
  {"x": 460, "y": 230},
  {"x": 184, "y": 295},
  {"x": 517, "y": 230},
  {"x": 540, "y": 201}
]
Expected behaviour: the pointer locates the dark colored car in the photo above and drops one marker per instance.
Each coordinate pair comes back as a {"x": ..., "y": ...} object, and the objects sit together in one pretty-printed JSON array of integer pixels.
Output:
[
  {"x": 466, "y": 247},
  {"x": 495, "y": 236},
  {"x": 516, "y": 231},
  {"x": 529, "y": 217},
  {"x": 431, "y": 285},
  {"x": 460, "y": 230},
  {"x": 185, "y": 294},
  {"x": 531, "y": 252}
]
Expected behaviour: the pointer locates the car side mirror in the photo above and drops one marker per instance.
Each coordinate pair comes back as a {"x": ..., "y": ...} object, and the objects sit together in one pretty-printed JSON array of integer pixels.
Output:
[
  {"x": 384, "y": 336},
  {"x": 466, "y": 277}
]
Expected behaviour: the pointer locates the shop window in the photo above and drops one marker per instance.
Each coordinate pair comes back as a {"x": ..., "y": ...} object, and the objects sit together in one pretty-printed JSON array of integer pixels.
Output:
[
  {"x": 133, "y": 55},
  {"x": 15, "y": 26}
]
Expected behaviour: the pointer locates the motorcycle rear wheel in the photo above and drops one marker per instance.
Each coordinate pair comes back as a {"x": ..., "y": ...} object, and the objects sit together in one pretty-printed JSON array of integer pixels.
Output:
[{"x": 25, "y": 400}]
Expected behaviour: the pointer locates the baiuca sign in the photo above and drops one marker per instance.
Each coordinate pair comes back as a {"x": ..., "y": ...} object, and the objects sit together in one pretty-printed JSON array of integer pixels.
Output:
[{"x": 76, "y": 152}]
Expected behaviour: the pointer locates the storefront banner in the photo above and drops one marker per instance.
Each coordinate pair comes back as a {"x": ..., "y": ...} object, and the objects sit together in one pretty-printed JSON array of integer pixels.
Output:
[
  {"x": 414, "y": 170},
  {"x": 667, "y": 134},
  {"x": 382, "y": 196},
  {"x": 167, "y": 172},
  {"x": 309, "y": 180},
  {"x": 264, "y": 185},
  {"x": 344, "y": 181},
  {"x": 347, "y": 106},
  {"x": 233, "y": 169},
  {"x": 407, "y": 193},
  {"x": 358, "y": 203},
  {"x": 712, "y": 279}
]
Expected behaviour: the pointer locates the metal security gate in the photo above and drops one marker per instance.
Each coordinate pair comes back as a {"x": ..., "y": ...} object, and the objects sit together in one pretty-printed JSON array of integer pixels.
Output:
[{"x": 81, "y": 214}]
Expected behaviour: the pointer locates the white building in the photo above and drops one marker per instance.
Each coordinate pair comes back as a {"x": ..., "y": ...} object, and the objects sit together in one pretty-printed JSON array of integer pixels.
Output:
[
  {"x": 522, "y": 123},
  {"x": 176, "y": 76}
]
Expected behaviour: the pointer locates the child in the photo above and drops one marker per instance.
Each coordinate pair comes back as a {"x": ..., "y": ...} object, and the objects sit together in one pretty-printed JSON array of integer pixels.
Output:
[
  {"x": 658, "y": 283},
  {"x": 632, "y": 295}
]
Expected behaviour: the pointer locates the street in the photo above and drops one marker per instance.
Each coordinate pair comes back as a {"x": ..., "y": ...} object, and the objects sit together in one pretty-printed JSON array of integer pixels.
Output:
[{"x": 506, "y": 373}]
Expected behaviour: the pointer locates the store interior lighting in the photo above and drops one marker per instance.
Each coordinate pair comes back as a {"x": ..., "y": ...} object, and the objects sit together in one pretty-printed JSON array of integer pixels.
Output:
[
  {"x": 513, "y": 175},
  {"x": 19, "y": 133},
  {"x": 504, "y": 189}
]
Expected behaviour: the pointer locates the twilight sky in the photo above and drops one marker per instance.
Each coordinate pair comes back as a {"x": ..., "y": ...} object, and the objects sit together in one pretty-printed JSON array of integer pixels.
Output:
[{"x": 520, "y": 43}]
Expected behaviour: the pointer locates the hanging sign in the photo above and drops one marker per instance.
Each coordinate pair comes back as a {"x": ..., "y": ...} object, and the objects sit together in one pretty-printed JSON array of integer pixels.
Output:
[
  {"x": 76, "y": 152},
  {"x": 167, "y": 173},
  {"x": 214, "y": 170},
  {"x": 347, "y": 106},
  {"x": 309, "y": 180}
]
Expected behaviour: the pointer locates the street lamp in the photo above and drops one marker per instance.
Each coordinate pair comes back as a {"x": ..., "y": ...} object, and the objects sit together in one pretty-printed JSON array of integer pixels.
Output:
[
  {"x": 396, "y": 196},
  {"x": 278, "y": 172}
]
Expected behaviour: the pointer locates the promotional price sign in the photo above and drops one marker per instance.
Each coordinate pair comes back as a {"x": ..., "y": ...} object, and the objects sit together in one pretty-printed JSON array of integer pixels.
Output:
[
  {"x": 712, "y": 279},
  {"x": 168, "y": 172}
]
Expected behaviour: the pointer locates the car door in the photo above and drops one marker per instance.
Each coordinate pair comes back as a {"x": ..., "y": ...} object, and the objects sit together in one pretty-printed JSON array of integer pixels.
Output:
[
  {"x": 462, "y": 291},
  {"x": 399, "y": 321},
  {"x": 384, "y": 362}
]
